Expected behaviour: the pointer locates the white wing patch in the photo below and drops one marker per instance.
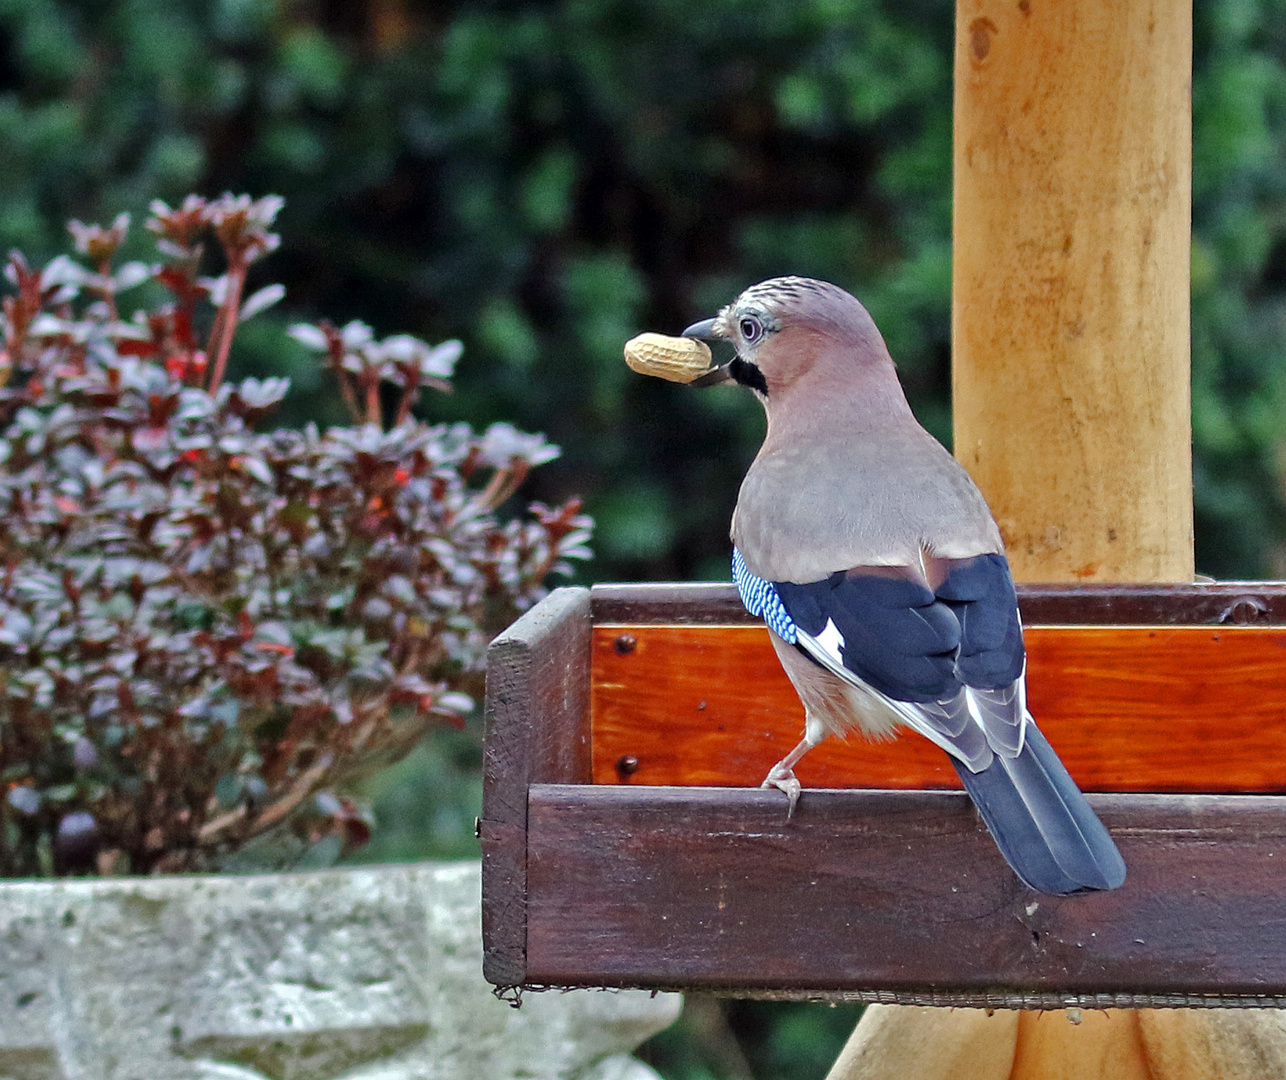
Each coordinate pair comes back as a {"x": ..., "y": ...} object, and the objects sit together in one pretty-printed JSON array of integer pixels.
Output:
[{"x": 830, "y": 640}]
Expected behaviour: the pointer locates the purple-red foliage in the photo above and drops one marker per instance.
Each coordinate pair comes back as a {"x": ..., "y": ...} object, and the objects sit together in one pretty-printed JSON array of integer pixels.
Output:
[{"x": 206, "y": 628}]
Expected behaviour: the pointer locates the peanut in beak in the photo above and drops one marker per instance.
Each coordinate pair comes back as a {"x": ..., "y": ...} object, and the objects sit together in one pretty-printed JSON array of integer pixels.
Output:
[{"x": 678, "y": 359}]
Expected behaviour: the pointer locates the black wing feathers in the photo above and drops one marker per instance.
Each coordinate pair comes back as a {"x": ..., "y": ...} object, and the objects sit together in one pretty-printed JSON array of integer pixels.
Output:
[
  {"x": 914, "y": 644},
  {"x": 921, "y": 646},
  {"x": 897, "y": 636},
  {"x": 981, "y": 593}
]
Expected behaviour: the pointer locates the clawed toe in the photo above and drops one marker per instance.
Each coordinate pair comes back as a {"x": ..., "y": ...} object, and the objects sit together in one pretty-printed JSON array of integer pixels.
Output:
[{"x": 784, "y": 780}]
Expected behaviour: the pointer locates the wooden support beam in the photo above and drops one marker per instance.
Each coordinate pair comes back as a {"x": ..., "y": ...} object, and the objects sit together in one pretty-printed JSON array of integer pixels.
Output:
[
  {"x": 1070, "y": 338},
  {"x": 1070, "y": 281}
]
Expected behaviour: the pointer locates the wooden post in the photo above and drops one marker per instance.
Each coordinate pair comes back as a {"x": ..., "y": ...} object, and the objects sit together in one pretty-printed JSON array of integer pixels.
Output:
[
  {"x": 894, "y": 1042},
  {"x": 1070, "y": 303},
  {"x": 1070, "y": 312},
  {"x": 1070, "y": 340}
]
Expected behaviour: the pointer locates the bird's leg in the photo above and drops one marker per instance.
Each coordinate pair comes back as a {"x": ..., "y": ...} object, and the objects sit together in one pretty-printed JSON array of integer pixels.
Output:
[{"x": 782, "y": 775}]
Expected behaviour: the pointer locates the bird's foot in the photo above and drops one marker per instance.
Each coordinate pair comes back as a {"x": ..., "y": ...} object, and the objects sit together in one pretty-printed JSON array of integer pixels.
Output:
[{"x": 783, "y": 779}]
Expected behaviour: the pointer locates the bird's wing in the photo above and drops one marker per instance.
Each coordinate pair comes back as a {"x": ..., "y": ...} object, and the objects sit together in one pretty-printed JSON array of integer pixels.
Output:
[{"x": 949, "y": 660}]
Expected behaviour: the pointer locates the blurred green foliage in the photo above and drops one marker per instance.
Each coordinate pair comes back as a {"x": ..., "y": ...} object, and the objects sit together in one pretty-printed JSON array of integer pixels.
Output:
[
  {"x": 1239, "y": 285},
  {"x": 718, "y": 1039},
  {"x": 543, "y": 180}
]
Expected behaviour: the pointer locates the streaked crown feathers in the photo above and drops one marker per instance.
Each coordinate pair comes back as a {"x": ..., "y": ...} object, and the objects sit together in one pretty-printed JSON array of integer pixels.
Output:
[{"x": 783, "y": 300}]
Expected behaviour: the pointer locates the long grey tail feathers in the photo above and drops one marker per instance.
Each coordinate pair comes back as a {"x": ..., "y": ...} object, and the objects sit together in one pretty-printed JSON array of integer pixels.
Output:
[{"x": 1041, "y": 822}]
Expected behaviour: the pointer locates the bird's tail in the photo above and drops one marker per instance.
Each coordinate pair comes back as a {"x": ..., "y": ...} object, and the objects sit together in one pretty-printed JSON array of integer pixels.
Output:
[{"x": 1041, "y": 822}]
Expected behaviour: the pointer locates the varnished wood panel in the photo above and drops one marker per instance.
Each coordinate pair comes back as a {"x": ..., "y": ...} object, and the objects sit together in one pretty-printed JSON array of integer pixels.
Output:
[
  {"x": 901, "y": 896},
  {"x": 1128, "y": 708}
]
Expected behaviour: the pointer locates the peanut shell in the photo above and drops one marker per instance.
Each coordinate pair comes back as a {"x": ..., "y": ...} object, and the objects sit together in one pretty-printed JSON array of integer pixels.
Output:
[{"x": 678, "y": 359}]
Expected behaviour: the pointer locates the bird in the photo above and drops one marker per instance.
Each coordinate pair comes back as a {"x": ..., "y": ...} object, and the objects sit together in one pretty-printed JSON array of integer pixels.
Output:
[{"x": 881, "y": 575}]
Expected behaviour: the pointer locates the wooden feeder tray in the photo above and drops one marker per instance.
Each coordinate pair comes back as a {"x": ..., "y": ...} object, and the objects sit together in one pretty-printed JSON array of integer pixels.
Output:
[{"x": 626, "y": 843}]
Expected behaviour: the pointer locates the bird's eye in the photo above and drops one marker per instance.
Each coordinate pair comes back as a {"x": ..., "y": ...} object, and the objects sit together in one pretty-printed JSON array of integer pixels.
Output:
[{"x": 751, "y": 329}]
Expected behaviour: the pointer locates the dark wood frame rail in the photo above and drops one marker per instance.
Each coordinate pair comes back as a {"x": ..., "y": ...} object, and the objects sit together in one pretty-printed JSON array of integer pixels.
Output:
[{"x": 869, "y": 892}]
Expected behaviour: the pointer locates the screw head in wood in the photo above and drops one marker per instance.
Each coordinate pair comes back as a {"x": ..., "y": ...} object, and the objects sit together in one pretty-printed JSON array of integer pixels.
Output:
[{"x": 1244, "y": 610}]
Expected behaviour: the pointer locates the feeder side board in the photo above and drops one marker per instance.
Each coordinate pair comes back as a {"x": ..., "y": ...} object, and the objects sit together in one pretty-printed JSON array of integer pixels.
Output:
[
  {"x": 1048, "y": 604},
  {"x": 900, "y": 894},
  {"x": 671, "y": 602},
  {"x": 537, "y": 731}
]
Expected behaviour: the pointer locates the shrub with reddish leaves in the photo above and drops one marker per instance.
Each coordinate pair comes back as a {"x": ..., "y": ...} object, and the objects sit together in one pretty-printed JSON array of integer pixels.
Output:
[{"x": 206, "y": 628}]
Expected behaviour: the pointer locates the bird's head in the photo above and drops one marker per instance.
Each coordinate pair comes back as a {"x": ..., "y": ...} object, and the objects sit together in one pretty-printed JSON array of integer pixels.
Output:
[{"x": 781, "y": 327}]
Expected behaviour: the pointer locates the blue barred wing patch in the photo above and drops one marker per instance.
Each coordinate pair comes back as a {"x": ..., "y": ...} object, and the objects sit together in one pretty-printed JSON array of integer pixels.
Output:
[{"x": 760, "y": 598}]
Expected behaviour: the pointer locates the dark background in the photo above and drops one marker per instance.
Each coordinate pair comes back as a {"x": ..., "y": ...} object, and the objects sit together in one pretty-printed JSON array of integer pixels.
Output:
[{"x": 544, "y": 180}]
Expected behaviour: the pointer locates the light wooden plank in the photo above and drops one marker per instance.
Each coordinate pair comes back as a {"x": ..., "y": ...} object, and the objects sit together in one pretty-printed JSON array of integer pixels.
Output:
[{"x": 1070, "y": 358}]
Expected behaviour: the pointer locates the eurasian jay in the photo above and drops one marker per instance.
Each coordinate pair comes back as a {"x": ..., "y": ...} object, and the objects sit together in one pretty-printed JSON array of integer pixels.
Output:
[{"x": 882, "y": 577}]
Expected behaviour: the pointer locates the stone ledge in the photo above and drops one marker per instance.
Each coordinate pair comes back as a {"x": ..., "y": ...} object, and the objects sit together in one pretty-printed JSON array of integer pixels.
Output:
[{"x": 369, "y": 973}]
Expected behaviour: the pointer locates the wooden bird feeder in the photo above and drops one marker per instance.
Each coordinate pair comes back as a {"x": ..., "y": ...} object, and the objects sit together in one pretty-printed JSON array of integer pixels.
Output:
[{"x": 625, "y": 842}]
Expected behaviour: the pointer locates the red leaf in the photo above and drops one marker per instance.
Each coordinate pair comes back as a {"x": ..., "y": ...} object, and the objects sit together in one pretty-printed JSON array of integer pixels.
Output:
[{"x": 272, "y": 646}]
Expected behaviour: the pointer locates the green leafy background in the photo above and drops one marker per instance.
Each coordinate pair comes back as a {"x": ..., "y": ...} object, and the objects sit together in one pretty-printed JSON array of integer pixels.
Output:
[{"x": 543, "y": 180}]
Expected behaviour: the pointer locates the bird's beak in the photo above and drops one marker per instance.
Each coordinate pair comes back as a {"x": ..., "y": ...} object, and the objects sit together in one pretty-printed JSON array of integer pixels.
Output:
[{"x": 704, "y": 331}]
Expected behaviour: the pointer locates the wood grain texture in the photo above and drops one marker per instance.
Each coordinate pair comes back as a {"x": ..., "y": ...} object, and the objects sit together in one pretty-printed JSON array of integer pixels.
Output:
[
  {"x": 897, "y": 1042},
  {"x": 900, "y": 1042},
  {"x": 1230, "y": 1044},
  {"x": 1105, "y": 1045},
  {"x": 1180, "y": 708},
  {"x": 878, "y": 894},
  {"x": 1070, "y": 282},
  {"x": 536, "y": 729}
]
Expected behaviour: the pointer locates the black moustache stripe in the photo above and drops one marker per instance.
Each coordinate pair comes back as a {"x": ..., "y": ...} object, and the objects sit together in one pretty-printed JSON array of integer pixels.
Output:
[{"x": 749, "y": 375}]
